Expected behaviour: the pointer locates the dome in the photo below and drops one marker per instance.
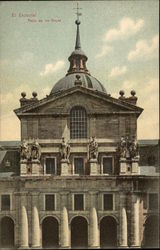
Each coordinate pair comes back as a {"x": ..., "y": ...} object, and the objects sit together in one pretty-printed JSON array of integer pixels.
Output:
[{"x": 68, "y": 82}]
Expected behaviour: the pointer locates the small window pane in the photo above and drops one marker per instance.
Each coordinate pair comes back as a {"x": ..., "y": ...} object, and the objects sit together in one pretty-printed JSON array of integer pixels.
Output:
[
  {"x": 78, "y": 166},
  {"x": 50, "y": 166},
  {"x": 78, "y": 202},
  {"x": 108, "y": 202},
  {"x": 107, "y": 165},
  {"x": 5, "y": 202},
  {"x": 153, "y": 201},
  {"x": 49, "y": 202}
]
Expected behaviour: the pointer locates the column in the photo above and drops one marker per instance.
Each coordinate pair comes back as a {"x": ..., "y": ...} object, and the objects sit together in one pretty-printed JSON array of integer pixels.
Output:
[
  {"x": 135, "y": 241},
  {"x": 23, "y": 224},
  {"x": 35, "y": 222},
  {"x": 123, "y": 222},
  {"x": 64, "y": 230},
  {"x": 93, "y": 224}
]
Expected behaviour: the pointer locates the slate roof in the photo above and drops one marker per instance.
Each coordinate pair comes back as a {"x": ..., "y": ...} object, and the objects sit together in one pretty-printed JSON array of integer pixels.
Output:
[{"x": 68, "y": 82}]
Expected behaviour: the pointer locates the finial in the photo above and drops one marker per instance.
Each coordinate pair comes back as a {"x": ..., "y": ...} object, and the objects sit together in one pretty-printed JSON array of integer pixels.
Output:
[
  {"x": 34, "y": 94},
  {"x": 133, "y": 92},
  {"x": 121, "y": 92},
  {"x": 23, "y": 94},
  {"x": 78, "y": 13}
]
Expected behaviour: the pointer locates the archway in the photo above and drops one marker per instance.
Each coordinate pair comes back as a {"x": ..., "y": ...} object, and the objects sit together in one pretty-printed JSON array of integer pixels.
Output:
[
  {"x": 151, "y": 232},
  {"x": 50, "y": 232},
  {"x": 108, "y": 232},
  {"x": 79, "y": 233},
  {"x": 7, "y": 232}
]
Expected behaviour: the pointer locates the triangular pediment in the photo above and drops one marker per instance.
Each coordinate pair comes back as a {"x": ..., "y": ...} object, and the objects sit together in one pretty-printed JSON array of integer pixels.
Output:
[{"x": 92, "y": 101}]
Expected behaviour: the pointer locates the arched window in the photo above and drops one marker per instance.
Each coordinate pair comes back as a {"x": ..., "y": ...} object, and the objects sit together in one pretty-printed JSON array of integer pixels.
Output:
[{"x": 78, "y": 123}]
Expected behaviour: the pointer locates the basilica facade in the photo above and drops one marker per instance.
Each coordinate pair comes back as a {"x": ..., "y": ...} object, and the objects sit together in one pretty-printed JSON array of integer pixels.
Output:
[{"x": 78, "y": 183}]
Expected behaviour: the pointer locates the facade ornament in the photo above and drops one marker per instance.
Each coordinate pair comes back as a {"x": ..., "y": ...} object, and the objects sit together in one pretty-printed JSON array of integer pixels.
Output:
[
  {"x": 64, "y": 149},
  {"x": 93, "y": 148},
  {"x": 24, "y": 150},
  {"x": 35, "y": 150},
  {"x": 128, "y": 148},
  {"x": 30, "y": 151}
]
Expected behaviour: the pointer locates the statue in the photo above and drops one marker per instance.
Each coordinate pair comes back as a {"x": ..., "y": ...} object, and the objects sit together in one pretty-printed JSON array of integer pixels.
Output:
[
  {"x": 35, "y": 151},
  {"x": 134, "y": 148},
  {"x": 24, "y": 150},
  {"x": 64, "y": 149},
  {"x": 128, "y": 148},
  {"x": 93, "y": 149},
  {"x": 122, "y": 147}
]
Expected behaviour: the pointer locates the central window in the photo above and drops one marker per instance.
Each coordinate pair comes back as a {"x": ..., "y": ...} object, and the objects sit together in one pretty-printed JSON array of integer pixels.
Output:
[
  {"x": 78, "y": 165},
  {"x": 78, "y": 123}
]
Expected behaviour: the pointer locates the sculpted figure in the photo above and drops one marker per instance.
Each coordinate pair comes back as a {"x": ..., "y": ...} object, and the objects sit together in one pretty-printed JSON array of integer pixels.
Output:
[
  {"x": 134, "y": 148},
  {"x": 64, "y": 149},
  {"x": 24, "y": 150},
  {"x": 93, "y": 149},
  {"x": 35, "y": 151},
  {"x": 123, "y": 148}
]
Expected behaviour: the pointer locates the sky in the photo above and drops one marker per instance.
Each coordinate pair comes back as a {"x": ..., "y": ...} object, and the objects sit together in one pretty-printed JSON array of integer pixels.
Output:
[{"x": 120, "y": 38}]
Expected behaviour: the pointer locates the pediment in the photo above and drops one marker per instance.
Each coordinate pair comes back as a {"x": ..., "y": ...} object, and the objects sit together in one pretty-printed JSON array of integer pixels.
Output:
[{"x": 92, "y": 101}]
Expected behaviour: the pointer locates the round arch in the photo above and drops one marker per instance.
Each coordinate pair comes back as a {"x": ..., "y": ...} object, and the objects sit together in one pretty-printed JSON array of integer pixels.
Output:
[
  {"x": 79, "y": 232},
  {"x": 45, "y": 216},
  {"x": 113, "y": 216},
  {"x": 151, "y": 232},
  {"x": 108, "y": 232},
  {"x": 74, "y": 216},
  {"x": 7, "y": 232},
  {"x": 50, "y": 232}
]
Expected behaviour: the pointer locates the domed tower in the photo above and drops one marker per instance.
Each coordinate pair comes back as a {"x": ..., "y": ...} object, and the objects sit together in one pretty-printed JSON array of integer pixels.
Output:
[{"x": 78, "y": 67}]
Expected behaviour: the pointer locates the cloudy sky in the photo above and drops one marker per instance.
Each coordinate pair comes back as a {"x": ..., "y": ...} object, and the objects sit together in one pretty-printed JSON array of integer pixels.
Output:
[{"x": 120, "y": 39}]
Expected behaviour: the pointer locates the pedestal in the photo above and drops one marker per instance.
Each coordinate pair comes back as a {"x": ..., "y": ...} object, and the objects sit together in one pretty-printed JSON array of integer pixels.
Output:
[
  {"x": 64, "y": 168},
  {"x": 123, "y": 166},
  {"x": 135, "y": 166},
  {"x": 93, "y": 167},
  {"x": 35, "y": 167},
  {"x": 23, "y": 167}
]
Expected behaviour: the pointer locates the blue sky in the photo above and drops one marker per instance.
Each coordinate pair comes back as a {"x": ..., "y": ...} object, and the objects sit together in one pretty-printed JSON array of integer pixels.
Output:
[{"x": 120, "y": 39}]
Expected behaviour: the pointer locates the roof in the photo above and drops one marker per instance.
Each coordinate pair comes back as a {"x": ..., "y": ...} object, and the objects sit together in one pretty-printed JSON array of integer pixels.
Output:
[
  {"x": 148, "y": 142},
  {"x": 2, "y": 155},
  {"x": 10, "y": 143},
  {"x": 68, "y": 82},
  {"x": 148, "y": 170}
]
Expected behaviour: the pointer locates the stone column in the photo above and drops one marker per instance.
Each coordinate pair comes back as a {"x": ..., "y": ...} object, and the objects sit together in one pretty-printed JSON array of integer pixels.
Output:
[
  {"x": 23, "y": 223},
  {"x": 123, "y": 222},
  {"x": 64, "y": 230},
  {"x": 35, "y": 222},
  {"x": 135, "y": 240},
  {"x": 93, "y": 224}
]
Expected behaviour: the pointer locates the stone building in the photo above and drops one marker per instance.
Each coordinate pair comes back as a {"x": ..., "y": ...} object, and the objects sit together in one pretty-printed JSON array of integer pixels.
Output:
[{"x": 75, "y": 180}]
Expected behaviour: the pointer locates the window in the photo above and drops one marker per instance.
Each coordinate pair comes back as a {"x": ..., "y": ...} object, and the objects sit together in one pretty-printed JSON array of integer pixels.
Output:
[
  {"x": 5, "y": 202},
  {"x": 78, "y": 166},
  {"x": 49, "y": 202},
  {"x": 78, "y": 123},
  {"x": 108, "y": 202},
  {"x": 50, "y": 166},
  {"x": 107, "y": 165},
  {"x": 153, "y": 201},
  {"x": 78, "y": 202}
]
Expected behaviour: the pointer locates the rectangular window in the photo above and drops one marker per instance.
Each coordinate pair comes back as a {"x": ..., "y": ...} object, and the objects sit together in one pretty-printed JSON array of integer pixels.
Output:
[
  {"x": 107, "y": 165},
  {"x": 50, "y": 166},
  {"x": 153, "y": 201},
  {"x": 49, "y": 202},
  {"x": 78, "y": 202},
  {"x": 5, "y": 202},
  {"x": 108, "y": 202},
  {"x": 78, "y": 166}
]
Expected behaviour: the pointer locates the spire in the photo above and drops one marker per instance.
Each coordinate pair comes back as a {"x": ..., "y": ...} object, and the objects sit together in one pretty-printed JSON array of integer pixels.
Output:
[
  {"x": 78, "y": 42},
  {"x": 78, "y": 58},
  {"x": 77, "y": 22}
]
